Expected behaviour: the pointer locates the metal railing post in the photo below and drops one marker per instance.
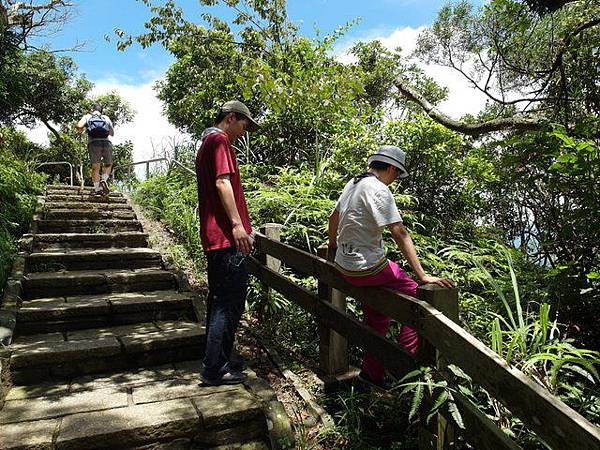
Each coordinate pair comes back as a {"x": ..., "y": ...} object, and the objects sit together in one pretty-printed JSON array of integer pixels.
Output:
[{"x": 58, "y": 163}]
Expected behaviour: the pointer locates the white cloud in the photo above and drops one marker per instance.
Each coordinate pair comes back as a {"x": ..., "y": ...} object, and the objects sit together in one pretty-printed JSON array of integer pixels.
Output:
[{"x": 462, "y": 98}]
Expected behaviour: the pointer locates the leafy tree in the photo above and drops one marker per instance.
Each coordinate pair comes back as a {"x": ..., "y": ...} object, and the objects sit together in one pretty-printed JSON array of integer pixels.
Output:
[
  {"x": 27, "y": 20},
  {"x": 20, "y": 22},
  {"x": 544, "y": 198},
  {"x": 379, "y": 70},
  {"x": 51, "y": 93},
  {"x": 536, "y": 61}
]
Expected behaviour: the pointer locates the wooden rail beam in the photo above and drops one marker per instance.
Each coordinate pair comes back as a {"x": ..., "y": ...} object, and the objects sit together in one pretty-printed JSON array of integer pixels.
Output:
[
  {"x": 389, "y": 353},
  {"x": 558, "y": 425},
  {"x": 480, "y": 429}
]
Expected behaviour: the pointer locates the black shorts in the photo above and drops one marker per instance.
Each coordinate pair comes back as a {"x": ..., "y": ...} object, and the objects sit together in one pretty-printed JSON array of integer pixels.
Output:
[{"x": 101, "y": 151}]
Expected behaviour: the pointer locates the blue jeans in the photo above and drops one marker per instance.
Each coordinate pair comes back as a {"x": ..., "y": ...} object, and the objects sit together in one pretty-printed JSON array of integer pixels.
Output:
[{"x": 227, "y": 289}]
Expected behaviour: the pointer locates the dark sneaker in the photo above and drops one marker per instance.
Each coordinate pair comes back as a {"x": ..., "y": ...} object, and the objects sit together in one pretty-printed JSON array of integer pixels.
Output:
[
  {"x": 104, "y": 186},
  {"x": 379, "y": 384},
  {"x": 98, "y": 194},
  {"x": 237, "y": 364},
  {"x": 230, "y": 377}
]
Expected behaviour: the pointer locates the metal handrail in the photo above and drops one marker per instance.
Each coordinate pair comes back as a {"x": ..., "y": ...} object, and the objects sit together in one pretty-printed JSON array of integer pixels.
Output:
[
  {"x": 187, "y": 169},
  {"x": 171, "y": 161},
  {"x": 55, "y": 163}
]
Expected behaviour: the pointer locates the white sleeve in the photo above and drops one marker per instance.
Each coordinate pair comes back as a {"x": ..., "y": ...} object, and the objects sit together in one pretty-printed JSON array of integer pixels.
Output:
[{"x": 383, "y": 207}]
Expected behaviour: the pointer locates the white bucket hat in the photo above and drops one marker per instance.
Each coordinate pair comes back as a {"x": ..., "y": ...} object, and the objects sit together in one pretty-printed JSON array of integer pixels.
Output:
[{"x": 392, "y": 155}]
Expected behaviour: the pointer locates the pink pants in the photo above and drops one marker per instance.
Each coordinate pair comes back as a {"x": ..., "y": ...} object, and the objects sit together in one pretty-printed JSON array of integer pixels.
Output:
[{"x": 395, "y": 278}]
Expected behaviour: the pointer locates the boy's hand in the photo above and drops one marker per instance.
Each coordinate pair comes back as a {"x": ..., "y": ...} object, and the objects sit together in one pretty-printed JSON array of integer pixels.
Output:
[
  {"x": 444, "y": 282},
  {"x": 243, "y": 242}
]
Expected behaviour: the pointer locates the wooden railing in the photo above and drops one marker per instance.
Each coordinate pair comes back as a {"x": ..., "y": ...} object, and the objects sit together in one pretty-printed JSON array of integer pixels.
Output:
[{"x": 433, "y": 315}]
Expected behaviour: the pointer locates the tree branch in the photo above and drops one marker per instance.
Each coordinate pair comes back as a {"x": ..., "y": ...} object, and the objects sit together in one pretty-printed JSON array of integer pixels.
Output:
[
  {"x": 501, "y": 124},
  {"x": 53, "y": 130}
]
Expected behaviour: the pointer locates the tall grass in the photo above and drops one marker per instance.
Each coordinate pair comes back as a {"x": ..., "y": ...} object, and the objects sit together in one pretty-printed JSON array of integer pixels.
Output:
[{"x": 19, "y": 185}]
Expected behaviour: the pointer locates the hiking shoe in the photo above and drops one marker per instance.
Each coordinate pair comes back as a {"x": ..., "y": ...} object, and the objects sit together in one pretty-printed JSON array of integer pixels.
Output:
[
  {"x": 104, "y": 186},
  {"x": 236, "y": 364},
  {"x": 98, "y": 193},
  {"x": 383, "y": 384},
  {"x": 229, "y": 377}
]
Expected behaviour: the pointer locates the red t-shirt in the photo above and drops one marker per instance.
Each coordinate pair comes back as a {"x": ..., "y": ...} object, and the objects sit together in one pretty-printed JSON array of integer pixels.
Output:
[{"x": 215, "y": 158}]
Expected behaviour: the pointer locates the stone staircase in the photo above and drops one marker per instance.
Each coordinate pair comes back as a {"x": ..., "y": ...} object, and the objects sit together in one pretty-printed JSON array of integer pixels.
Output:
[{"x": 105, "y": 352}]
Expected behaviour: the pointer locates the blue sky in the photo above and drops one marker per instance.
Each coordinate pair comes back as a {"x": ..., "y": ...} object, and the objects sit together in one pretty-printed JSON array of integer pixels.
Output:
[
  {"x": 132, "y": 73},
  {"x": 100, "y": 59}
]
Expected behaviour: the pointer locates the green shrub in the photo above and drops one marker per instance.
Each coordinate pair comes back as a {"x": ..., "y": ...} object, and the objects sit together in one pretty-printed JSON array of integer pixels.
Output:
[{"x": 19, "y": 185}]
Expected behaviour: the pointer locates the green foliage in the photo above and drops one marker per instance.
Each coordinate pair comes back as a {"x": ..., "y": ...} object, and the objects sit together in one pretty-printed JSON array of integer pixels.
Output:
[
  {"x": 548, "y": 55},
  {"x": 531, "y": 341},
  {"x": 480, "y": 212},
  {"x": 294, "y": 198},
  {"x": 545, "y": 199},
  {"x": 369, "y": 421},
  {"x": 306, "y": 99},
  {"x": 19, "y": 185},
  {"x": 173, "y": 199}
]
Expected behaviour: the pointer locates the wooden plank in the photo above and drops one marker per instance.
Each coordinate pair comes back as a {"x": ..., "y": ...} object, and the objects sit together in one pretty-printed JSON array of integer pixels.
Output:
[
  {"x": 553, "y": 421},
  {"x": 480, "y": 431},
  {"x": 271, "y": 231},
  {"x": 389, "y": 353},
  {"x": 442, "y": 432},
  {"x": 378, "y": 298},
  {"x": 333, "y": 347}
]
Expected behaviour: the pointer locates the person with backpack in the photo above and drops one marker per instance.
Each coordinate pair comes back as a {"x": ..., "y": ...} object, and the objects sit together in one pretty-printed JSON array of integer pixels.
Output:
[
  {"x": 99, "y": 127},
  {"x": 365, "y": 207}
]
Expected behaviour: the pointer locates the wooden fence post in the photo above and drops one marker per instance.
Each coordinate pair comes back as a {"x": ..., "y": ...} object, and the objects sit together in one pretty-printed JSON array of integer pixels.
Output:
[
  {"x": 439, "y": 434},
  {"x": 333, "y": 347},
  {"x": 271, "y": 231}
]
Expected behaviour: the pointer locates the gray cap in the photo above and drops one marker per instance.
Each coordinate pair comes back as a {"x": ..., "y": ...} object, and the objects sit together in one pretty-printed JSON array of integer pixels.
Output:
[
  {"x": 392, "y": 155},
  {"x": 239, "y": 107}
]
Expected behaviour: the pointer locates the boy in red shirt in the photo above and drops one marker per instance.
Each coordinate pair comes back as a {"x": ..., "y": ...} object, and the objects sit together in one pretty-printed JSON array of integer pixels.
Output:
[{"x": 225, "y": 232}]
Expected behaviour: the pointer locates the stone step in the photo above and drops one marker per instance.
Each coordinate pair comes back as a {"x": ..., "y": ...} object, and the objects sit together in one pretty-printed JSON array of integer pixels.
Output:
[
  {"x": 56, "y": 189},
  {"x": 89, "y": 214},
  {"x": 87, "y": 226},
  {"x": 114, "y": 198},
  {"x": 60, "y": 356},
  {"x": 154, "y": 408},
  {"x": 87, "y": 259},
  {"x": 61, "y": 241},
  {"x": 65, "y": 314},
  {"x": 96, "y": 205},
  {"x": 56, "y": 284}
]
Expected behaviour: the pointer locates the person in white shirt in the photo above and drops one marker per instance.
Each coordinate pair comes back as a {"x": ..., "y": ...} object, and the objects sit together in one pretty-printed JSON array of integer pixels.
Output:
[
  {"x": 99, "y": 127},
  {"x": 365, "y": 207}
]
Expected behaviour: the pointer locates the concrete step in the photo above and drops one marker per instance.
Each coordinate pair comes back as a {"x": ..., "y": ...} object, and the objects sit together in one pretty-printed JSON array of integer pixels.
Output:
[
  {"x": 87, "y": 259},
  {"x": 95, "y": 205},
  {"x": 88, "y": 213},
  {"x": 67, "y": 190},
  {"x": 93, "y": 226},
  {"x": 65, "y": 314},
  {"x": 64, "y": 241},
  {"x": 114, "y": 198},
  {"x": 56, "y": 284},
  {"x": 159, "y": 407},
  {"x": 59, "y": 356}
]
